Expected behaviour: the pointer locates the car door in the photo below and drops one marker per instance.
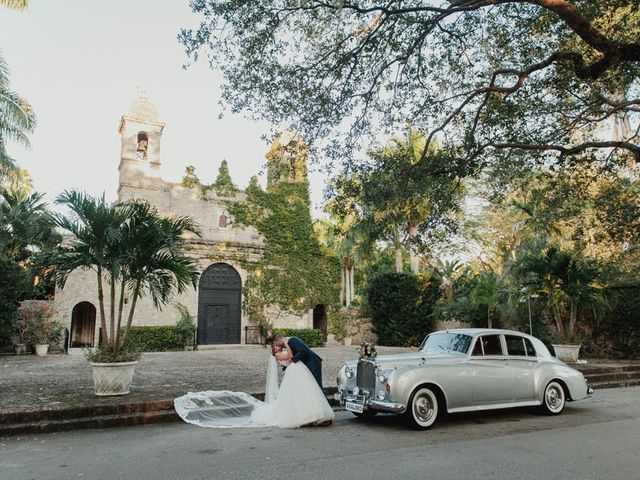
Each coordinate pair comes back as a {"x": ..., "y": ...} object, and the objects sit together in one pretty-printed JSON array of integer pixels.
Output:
[
  {"x": 521, "y": 361},
  {"x": 490, "y": 374}
]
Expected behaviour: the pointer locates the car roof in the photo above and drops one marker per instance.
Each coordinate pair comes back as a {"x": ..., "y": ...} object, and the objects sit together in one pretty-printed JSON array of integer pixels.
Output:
[{"x": 479, "y": 331}]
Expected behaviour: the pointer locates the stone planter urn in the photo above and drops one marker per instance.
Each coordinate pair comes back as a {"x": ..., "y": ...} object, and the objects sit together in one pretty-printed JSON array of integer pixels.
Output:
[
  {"x": 20, "y": 348},
  {"x": 112, "y": 378},
  {"x": 346, "y": 341},
  {"x": 41, "y": 350},
  {"x": 567, "y": 353}
]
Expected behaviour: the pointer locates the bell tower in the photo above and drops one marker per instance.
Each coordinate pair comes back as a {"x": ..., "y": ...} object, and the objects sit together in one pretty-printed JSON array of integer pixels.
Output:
[
  {"x": 287, "y": 159},
  {"x": 140, "y": 134}
]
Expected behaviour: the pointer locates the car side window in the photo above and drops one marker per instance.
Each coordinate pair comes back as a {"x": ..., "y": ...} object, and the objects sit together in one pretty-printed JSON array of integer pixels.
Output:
[
  {"x": 515, "y": 345},
  {"x": 487, "y": 345},
  {"x": 531, "y": 352}
]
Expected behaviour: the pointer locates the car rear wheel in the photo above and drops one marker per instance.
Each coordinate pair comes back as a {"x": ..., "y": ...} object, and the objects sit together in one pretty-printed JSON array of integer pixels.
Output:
[
  {"x": 554, "y": 398},
  {"x": 422, "y": 410}
]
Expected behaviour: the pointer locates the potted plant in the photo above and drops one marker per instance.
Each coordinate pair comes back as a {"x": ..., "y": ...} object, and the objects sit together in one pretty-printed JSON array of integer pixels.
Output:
[
  {"x": 344, "y": 324},
  {"x": 37, "y": 326},
  {"x": 133, "y": 251}
]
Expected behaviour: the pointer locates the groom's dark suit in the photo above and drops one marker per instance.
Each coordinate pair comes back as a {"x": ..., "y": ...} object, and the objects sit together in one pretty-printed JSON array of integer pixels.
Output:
[{"x": 300, "y": 352}]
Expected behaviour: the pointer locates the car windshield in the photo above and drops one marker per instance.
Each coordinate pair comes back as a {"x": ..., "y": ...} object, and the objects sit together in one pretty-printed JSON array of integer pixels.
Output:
[{"x": 446, "y": 342}]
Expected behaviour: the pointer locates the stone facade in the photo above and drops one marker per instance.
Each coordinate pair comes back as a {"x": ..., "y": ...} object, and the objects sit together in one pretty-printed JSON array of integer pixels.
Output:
[{"x": 222, "y": 247}]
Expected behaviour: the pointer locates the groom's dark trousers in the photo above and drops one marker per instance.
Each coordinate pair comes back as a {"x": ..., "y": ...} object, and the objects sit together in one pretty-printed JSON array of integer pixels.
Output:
[{"x": 302, "y": 353}]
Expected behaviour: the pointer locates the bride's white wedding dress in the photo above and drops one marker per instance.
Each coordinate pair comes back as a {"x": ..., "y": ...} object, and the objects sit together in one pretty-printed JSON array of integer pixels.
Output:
[{"x": 299, "y": 401}]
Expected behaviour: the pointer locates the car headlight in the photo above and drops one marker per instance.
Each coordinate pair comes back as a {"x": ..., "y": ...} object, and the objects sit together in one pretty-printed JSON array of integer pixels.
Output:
[
  {"x": 349, "y": 372},
  {"x": 382, "y": 376}
]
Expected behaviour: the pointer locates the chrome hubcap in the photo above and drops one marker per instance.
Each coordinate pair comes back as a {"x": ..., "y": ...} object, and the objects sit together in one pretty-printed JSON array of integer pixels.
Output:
[
  {"x": 423, "y": 408},
  {"x": 554, "y": 398}
]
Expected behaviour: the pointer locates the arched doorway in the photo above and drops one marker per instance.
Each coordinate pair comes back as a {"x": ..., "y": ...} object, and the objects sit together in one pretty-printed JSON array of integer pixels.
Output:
[
  {"x": 320, "y": 319},
  {"x": 83, "y": 325},
  {"x": 219, "y": 305}
]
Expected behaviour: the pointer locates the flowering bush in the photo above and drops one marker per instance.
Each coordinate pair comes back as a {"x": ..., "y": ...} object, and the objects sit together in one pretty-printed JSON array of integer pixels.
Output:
[
  {"x": 35, "y": 325},
  {"x": 368, "y": 351}
]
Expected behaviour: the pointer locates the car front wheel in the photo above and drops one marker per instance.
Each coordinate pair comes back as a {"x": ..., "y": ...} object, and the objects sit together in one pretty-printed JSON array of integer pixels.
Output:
[
  {"x": 554, "y": 399},
  {"x": 423, "y": 408}
]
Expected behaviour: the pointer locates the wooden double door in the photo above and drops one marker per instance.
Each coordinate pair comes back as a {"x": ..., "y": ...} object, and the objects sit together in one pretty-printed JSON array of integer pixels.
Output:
[{"x": 219, "y": 296}]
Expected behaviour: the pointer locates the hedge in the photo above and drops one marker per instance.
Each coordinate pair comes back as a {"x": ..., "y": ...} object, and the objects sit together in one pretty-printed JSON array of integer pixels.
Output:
[
  {"x": 155, "y": 339},
  {"x": 400, "y": 305},
  {"x": 311, "y": 336}
]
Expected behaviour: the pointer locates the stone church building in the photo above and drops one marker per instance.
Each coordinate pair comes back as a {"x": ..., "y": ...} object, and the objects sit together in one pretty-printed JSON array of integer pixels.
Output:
[{"x": 221, "y": 250}]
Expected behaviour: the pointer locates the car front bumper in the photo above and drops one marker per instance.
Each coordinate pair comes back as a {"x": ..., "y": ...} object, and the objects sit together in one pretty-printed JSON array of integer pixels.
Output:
[{"x": 368, "y": 403}]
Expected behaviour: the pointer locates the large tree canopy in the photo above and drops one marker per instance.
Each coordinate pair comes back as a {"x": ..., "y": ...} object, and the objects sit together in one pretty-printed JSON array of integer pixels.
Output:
[{"x": 527, "y": 80}]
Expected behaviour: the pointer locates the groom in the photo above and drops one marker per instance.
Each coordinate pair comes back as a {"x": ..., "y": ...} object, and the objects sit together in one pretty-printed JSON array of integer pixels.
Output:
[{"x": 301, "y": 353}]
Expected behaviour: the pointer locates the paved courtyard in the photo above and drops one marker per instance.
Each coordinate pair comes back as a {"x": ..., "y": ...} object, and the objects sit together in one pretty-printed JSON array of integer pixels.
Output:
[{"x": 30, "y": 383}]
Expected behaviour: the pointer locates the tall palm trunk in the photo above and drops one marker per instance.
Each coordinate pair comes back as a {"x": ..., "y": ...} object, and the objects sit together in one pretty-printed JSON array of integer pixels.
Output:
[
  {"x": 573, "y": 315},
  {"x": 120, "y": 308},
  {"x": 412, "y": 230},
  {"x": 398, "y": 259},
  {"x": 103, "y": 319},
  {"x": 112, "y": 312},
  {"x": 134, "y": 300},
  {"x": 352, "y": 283}
]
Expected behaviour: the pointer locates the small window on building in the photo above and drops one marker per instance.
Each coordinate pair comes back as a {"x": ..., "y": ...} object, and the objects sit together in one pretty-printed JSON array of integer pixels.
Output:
[{"x": 223, "y": 221}]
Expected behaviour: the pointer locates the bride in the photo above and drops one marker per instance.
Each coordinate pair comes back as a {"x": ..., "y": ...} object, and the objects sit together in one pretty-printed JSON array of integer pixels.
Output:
[{"x": 299, "y": 401}]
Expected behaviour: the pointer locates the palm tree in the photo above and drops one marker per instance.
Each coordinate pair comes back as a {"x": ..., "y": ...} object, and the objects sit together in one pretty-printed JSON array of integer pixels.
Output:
[
  {"x": 15, "y": 4},
  {"x": 487, "y": 292},
  {"x": 130, "y": 246},
  {"x": 567, "y": 280},
  {"x": 17, "y": 118},
  {"x": 26, "y": 226}
]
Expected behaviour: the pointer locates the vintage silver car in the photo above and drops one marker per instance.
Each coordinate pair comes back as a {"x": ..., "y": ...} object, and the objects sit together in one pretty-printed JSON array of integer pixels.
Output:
[{"x": 459, "y": 371}]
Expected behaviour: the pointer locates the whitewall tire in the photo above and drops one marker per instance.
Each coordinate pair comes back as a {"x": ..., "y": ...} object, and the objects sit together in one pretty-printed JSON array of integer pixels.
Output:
[
  {"x": 554, "y": 398},
  {"x": 423, "y": 408}
]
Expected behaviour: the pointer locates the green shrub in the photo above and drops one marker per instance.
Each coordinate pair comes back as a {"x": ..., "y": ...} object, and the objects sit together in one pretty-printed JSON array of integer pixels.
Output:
[
  {"x": 155, "y": 339},
  {"x": 12, "y": 286},
  {"x": 618, "y": 333},
  {"x": 400, "y": 305},
  {"x": 311, "y": 336}
]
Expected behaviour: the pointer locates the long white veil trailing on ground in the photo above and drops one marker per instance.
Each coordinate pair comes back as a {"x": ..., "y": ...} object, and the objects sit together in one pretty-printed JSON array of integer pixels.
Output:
[
  {"x": 226, "y": 409},
  {"x": 298, "y": 401}
]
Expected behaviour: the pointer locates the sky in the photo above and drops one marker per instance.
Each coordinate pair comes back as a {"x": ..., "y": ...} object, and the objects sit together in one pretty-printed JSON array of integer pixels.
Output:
[{"x": 81, "y": 63}]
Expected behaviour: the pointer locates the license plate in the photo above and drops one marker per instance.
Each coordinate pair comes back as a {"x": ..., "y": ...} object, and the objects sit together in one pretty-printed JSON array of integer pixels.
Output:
[{"x": 354, "y": 407}]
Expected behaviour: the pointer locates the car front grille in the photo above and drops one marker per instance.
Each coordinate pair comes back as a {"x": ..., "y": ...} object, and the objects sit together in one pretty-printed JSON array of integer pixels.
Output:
[{"x": 366, "y": 375}]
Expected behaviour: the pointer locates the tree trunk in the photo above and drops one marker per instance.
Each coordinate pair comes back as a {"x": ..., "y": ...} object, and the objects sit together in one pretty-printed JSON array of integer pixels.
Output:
[
  {"x": 489, "y": 320},
  {"x": 413, "y": 258},
  {"x": 103, "y": 319},
  {"x": 132, "y": 309},
  {"x": 347, "y": 295},
  {"x": 352, "y": 283},
  {"x": 120, "y": 307},
  {"x": 573, "y": 316},
  {"x": 398, "y": 259},
  {"x": 343, "y": 286},
  {"x": 112, "y": 311}
]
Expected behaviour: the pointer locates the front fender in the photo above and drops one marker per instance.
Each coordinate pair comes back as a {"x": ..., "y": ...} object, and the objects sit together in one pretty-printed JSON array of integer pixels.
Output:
[{"x": 406, "y": 380}]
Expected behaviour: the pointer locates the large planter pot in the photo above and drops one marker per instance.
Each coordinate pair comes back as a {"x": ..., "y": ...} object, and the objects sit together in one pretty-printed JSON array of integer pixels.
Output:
[
  {"x": 567, "y": 353},
  {"x": 112, "y": 378},
  {"x": 41, "y": 350},
  {"x": 346, "y": 341},
  {"x": 21, "y": 348}
]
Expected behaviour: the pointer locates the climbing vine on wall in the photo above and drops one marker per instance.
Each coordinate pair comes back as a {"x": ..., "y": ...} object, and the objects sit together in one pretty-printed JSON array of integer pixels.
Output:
[{"x": 295, "y": 273}]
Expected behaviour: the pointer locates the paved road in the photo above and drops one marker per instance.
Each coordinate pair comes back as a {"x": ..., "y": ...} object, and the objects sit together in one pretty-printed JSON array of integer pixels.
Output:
[{"x": 593, "y": 439}]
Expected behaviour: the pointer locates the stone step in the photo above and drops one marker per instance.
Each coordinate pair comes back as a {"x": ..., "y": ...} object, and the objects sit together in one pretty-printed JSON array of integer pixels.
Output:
[
  {"x": 100, "y": 421},
  {"x": 99, "y": 416},
  {"x": 616, "y": 384},
  {"x": 588, "y": 369},
  {"x": 612, "y": 377}
]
